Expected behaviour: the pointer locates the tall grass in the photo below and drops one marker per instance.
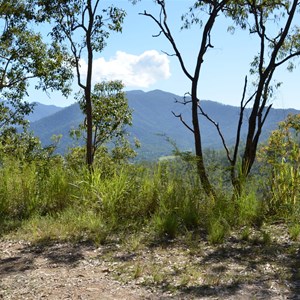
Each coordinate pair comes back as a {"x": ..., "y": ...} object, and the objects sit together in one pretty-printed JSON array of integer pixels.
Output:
[
  {"x": 28, "y": 188},
  {"x": 281, "y": 155},
  {"x": 53, "y": 200}
]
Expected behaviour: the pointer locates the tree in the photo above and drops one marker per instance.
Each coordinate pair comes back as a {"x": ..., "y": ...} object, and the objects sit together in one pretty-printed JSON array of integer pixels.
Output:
[
  {"x": 24, "y": 146},
  {"x": 274, "y": 51},
  {"x": 24, "y": 57},
  {"x": 12, "y": 114},
  {"x": 111, "y": 113},
  {"x": 213, "y": 9},
  {"x": 85, "y": 27}
]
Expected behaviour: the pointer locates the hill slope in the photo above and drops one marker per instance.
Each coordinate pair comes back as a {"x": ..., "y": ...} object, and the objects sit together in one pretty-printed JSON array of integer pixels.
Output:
[
  {"x": 153, "y": 120},
  {"x": 41, "y": 111}
]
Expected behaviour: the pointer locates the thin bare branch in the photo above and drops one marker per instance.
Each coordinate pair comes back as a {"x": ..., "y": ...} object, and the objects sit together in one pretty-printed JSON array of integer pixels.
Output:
[
  {"x": 184, "y": 102},
  {"x": 219, "y": 131},
  {"x": 183, "y": 122},
  {"x": 240, "y": 121},
  {"x": 287, "y": 58},
  {"x": 167, "y": 33},
  {"x": 168, "y": 54},
  {"x": 157, "y": 35}
]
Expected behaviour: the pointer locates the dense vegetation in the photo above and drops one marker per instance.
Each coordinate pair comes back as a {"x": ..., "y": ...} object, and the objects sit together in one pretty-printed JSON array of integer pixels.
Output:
[
  {"x": 46, "y": 196},
  {"x": 92, "y": 193}
]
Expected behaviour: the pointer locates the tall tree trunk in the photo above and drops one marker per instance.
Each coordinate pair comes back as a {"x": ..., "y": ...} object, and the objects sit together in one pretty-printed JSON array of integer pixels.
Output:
[
  {"x": 88, "y": 89},
  {"x": 214, "y": 8},
  {"x": 89, "y": 129},
  {"x": 256, "y": 120},
  {"x": 250, "y": 148},
  {"x": 198, "y": 145}
]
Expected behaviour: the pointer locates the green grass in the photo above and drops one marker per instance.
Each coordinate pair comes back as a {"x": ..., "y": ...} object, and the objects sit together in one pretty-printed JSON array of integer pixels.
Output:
[
  {"x": 294, "y": 231},
  {"x": 53, "y": 200},
  {"x": 71, "y": 225}
]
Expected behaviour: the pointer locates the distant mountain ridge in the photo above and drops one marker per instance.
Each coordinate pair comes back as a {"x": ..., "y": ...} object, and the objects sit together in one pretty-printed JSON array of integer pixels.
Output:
[
  {"x": 41, "y": 111},
  {"x": 153, "y": 121}
]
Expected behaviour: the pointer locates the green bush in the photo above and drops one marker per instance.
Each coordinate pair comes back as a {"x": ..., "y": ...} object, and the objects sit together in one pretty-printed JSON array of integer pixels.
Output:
[{"x": 281, "y": 160}]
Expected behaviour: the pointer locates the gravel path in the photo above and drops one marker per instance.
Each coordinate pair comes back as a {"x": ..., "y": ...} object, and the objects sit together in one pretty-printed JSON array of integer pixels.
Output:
[{"x": 234, "y": 270}]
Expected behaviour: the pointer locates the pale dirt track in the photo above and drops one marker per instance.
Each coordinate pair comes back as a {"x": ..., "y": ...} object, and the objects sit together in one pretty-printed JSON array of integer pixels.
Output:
[{"x": 82, "y": 271}]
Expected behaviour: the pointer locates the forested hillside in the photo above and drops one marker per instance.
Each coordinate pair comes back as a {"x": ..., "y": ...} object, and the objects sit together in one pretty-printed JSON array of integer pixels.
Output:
[{"x": 153, "y": 121}]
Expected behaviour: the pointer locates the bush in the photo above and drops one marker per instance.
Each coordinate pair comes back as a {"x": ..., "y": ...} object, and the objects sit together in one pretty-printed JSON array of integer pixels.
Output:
[{"x": 281, "y": 158}]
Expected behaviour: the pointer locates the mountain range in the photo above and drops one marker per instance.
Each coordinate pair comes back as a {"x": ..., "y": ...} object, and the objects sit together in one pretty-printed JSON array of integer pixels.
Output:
[{"x": 154, "y": 122}]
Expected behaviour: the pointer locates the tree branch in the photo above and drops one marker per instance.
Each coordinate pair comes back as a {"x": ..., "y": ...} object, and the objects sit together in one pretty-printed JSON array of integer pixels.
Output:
[
  {"x": 219, "y": 131},
  {"x": 168, "y": 54},
  {"x": 287, "y": 58},
  {"x": 183, "y": 122},
  {"x": 167, "y": 33}
]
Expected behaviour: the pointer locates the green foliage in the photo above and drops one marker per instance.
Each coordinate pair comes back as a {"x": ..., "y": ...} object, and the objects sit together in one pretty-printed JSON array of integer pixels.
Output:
[
  {"x": 123, "y": 150},
  {"x": 59, "y": 197},
  {"x": 55, "y": 192},
  {"x": 217, "y": 232},
  {"x": 12, "y": 114},
  {"x": 249, "y": 209},
  {"x": 72, "y": 16},
  {"x": 227, "y": 213},
  {"x": 55, "y": 198},
  {"x": 105, "y": 158},
  {"x": 121, "y": 196},
  {"x": 83, "y": 27},
  {"x": 111, "y": 112},
  {"x": 110, "y": 116},
  {"x": 33, "y": 188},
  {"x": 24, "y": 55},
  {"x": 75, "y": 158},
  {"x": 281, "y": 156},
  {"x": 178, "y": 199},
  {"x": 70, "y": 224},
  {"x": 16, "y": 192},
  {"x": 24, "y": 146},
  {"x": 294, "y": 231},
  {"x": 245, "y": 234}
]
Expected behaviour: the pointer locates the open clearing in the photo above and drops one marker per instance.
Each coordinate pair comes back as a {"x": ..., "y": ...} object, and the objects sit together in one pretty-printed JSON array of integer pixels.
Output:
[{"x": 265, "y": 266}]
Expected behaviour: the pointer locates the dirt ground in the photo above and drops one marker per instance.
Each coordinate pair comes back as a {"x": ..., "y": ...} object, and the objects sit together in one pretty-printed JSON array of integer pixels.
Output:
[{"x": 258, "y": 268}]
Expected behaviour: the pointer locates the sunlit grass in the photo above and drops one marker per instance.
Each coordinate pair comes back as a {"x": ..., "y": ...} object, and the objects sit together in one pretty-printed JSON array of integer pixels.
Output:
[{"x": 54, "y": 200}]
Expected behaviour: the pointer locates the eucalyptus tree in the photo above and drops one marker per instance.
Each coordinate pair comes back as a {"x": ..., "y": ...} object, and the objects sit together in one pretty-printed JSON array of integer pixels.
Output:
[
  {"x": 275, "y": 25},
  {"x": 111, "y": 113},
  {"x": 83, "y": 27},
  {"x": 26, "y": 58},
  {"x": 274, "y": 50},
  {"x": 212, "y": 10}
]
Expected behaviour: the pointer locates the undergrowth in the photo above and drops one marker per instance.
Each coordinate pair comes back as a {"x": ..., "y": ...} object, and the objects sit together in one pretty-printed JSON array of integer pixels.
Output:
[{"x": 54, "y": 200}]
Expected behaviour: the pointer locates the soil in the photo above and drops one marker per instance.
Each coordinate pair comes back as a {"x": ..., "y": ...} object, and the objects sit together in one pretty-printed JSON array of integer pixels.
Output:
[{"x": 264, "y": 266}]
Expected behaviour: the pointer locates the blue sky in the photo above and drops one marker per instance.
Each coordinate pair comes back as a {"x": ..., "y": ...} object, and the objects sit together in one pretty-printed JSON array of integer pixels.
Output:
[{"x": 136, "y": 58}]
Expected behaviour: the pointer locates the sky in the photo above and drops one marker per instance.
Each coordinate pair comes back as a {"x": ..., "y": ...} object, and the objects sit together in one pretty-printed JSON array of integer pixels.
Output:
[{"x": 139, "y": 60}]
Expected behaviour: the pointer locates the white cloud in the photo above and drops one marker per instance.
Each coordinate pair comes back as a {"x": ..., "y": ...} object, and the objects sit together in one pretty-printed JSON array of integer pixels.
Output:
[{"x": 134, "y": 70}]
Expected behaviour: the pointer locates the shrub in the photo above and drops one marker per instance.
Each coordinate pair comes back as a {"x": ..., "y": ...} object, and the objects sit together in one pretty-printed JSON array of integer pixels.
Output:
[{"x": 281, "y": 158}]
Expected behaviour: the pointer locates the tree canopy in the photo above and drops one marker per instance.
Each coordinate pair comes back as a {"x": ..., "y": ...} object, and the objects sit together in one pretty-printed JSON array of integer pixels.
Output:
[
  {"x": 25, "y": 58},
  {"x": 111, "y": 113},
  {"x": 83, "y": 27}
]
